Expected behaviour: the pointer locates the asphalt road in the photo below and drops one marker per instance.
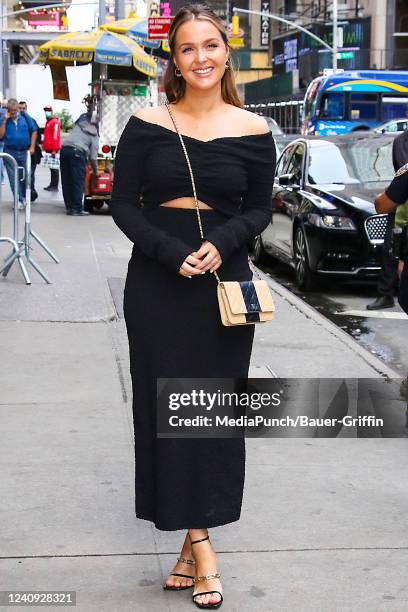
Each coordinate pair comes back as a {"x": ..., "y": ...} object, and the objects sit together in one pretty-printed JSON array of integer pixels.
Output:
[{"x": 383, "y": 333}]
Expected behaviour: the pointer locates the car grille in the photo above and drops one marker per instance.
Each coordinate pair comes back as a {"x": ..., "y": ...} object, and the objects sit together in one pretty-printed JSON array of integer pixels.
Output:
[{"x": 375, "y": 228}]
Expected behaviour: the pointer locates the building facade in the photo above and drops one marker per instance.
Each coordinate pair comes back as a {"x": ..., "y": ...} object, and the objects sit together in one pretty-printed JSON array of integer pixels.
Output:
[{"x": 374, "y": 33}]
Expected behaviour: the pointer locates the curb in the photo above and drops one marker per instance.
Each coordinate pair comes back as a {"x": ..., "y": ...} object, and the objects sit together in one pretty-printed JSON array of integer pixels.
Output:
[{"x": 311, "y": 313}]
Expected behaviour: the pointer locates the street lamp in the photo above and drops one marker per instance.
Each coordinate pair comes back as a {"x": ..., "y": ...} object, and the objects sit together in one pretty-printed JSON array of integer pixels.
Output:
[
  {"x": 335, "y": 13},
  {"x": 332, "y": 49}
]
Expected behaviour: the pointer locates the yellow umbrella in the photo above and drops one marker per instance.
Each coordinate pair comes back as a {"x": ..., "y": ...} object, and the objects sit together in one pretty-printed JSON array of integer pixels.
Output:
[
  {"x": 137, "y": 29},
  {"x": 99, "y": 46},
  {"x": 121, "y": 26}
]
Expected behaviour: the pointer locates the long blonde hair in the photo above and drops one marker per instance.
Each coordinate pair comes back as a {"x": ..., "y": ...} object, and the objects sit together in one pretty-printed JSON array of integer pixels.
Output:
[{"x": 175, "y": 86}]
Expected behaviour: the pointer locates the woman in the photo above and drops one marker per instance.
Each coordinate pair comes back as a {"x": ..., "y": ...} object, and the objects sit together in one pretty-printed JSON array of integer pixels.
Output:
[{"x": 171, "y": 309}]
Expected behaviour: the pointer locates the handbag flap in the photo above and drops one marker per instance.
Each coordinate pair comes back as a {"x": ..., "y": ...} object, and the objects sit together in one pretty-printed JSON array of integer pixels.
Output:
[
  {"x": 264, "y": 296},
  {"x": 248, "y": 296}
]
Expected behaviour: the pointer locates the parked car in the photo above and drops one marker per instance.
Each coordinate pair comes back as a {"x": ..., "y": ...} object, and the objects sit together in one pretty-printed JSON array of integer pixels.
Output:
[
  {"x": 324, "y": 222},
  {"x": 281, "y": 139},
  {"x": 392, "y": 127},
  {"x": 273, "y": 126},
  {"x": 277, "y": 133}
]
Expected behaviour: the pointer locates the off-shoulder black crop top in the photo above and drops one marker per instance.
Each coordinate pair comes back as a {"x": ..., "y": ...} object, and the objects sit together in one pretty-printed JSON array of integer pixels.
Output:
[{"x": 233, "y": 174}]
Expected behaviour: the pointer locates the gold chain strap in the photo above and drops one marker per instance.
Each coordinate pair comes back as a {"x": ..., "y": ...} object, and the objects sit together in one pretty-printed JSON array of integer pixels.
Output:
[{"x": 195, "y": 194}]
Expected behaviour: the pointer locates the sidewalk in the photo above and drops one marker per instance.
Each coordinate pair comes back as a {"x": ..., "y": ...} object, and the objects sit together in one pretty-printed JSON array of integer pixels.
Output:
[{"x": 323, "y": 526}]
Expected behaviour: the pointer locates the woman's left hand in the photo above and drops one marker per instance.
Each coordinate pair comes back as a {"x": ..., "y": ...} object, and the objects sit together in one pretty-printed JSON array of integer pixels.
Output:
[{"x": 210, "y": 257}]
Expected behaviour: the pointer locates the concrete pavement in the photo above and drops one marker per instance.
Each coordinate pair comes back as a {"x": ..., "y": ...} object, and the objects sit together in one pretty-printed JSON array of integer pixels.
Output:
[{"x": 323, "y": 526}]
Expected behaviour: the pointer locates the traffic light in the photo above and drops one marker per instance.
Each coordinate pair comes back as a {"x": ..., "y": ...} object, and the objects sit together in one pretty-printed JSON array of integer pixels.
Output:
[
  {"x": 233, "y": 20},
  {"x": 231, "y": 12},
  {"x": 235, "y": 25}
]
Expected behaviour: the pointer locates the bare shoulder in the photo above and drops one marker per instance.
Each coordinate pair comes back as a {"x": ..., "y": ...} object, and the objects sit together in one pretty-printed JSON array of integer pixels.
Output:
[
  {"x": 251, "y": 122},
  {"x": 149, "y": 113}
]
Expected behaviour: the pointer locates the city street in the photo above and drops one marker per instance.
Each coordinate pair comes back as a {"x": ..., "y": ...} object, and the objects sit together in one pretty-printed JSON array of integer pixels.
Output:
[
  {"x": 84, "y": 88},
  {"x": 382, "y": 332},
  {"x": 322, "y": 521}
]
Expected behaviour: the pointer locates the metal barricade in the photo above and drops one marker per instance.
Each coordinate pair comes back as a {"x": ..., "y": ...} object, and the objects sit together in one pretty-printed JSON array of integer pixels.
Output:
[
  {"x": 14, "y": 241},
  {"x": 287, "y": 113},
  {"x": 22, "y": 248}
]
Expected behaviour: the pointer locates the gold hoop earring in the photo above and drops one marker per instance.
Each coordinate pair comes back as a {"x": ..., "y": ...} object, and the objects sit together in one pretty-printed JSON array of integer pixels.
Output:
[
  {"x": 175, "y": 72},
  {"x": 227, "y": 64}
]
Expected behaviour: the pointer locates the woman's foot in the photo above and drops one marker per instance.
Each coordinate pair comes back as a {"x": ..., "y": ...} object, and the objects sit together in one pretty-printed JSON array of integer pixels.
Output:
[
  {"x": 206, "y": 565},
  {"x": 182, "y": 567}
]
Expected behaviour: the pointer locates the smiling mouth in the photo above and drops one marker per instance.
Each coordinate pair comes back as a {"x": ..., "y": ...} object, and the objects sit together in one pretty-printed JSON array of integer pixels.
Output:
[{"x": 203, "y": 71}]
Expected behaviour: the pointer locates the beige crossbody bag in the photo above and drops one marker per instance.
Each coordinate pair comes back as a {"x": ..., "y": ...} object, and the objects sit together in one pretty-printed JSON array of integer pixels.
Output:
[{"x": 240, "y": 302}]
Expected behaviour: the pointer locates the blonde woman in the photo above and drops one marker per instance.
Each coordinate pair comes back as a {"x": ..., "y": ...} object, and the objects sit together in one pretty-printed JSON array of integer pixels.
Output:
[{"x": 171, "y": 310}]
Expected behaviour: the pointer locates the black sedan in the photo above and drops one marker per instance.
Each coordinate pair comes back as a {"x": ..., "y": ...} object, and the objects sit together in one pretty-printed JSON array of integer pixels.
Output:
[{"x": 324, "y": 221}]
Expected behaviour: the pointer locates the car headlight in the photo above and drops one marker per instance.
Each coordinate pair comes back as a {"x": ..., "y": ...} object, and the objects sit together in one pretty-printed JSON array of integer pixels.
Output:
[{"x": 331, "y": 221}]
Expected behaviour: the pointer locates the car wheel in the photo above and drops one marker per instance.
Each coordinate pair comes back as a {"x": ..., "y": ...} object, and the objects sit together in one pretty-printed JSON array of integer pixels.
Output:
[
  {"x": 258, "y": 254},
  {"x": 305, "y": 278},
  {"x": 88, "y": 205}
]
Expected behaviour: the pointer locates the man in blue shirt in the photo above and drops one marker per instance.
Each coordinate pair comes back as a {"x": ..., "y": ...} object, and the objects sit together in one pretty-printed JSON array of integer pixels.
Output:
[
  {"x": 2, "y": 113},
  {"x": 19, "y": 133},
  {"x": 36, "y": 156}
]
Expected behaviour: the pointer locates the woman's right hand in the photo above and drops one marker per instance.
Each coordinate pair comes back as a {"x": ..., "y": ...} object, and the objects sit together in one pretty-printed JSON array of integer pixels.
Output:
[
  {"x": 400, "y": 267},
  {"x": 187, "y": 267}
]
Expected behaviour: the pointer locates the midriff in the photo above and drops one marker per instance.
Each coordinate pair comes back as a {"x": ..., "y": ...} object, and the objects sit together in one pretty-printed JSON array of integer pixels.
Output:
[{"x": 185, "y": 203}]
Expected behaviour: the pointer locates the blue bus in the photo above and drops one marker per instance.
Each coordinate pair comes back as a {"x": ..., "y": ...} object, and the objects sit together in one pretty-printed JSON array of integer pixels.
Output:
[{"x": 346, "y": 101}]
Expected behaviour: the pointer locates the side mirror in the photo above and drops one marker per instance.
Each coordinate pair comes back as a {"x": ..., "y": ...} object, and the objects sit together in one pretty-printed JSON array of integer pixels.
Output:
[{"x": 285, "y": 179}]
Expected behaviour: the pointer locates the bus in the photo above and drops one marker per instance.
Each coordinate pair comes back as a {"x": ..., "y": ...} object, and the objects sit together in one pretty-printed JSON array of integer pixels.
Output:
[{"x": 345, "y": 101}]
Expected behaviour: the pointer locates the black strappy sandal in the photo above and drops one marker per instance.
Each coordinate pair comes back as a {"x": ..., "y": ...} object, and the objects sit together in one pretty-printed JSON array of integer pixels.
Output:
[
  {"x": 207, "y": 606},
  {"x": 181, "y": 588}
]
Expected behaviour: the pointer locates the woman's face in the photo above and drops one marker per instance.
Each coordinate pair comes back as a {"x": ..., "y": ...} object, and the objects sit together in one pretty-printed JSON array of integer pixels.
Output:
[{"x": 200, "y": 54}]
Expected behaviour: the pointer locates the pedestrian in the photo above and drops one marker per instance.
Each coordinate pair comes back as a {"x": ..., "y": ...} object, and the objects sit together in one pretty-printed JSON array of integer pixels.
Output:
[
  {"x": 170, "y": 302},
  {"x": 37, "y": 155},
  {"x": 388, "y": 278},
  {"x": 81, "y": 144},
  {"x": 403, "y": 273},
  {"x": 19, "y": 133},
  {"x": 400, "y": 159},
  {"x": 396, "y": 197},
  {"x": 52, "y": 144},
  {"x": 3, "y": 111}
]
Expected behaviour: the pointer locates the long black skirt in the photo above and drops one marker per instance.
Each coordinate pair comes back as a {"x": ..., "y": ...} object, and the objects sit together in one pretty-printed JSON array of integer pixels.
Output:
[{"x": 175, "y": 331}]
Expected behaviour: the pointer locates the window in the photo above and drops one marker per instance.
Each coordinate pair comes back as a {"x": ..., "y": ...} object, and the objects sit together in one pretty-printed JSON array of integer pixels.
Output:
[
  {"x": 363, "y": 106},
  {"x": 392, "y": 127},
  {"x": 402, "y": 126},
  {"x": 311, "y": 99},
  {"x": 394, "y": 107},
  {"x": 295, "y": 166},
  {"x": 283, "y": 161},
  {"x": 332, "y": 106},
  {"x": 351, "y": 162}
]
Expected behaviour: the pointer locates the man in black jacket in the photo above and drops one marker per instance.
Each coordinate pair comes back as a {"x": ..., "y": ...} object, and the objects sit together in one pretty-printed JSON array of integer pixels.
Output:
[
  {"x": 388, "y": 278},
  {"x": 80, "y": 145},
  {"x": 396, "y": 195}
]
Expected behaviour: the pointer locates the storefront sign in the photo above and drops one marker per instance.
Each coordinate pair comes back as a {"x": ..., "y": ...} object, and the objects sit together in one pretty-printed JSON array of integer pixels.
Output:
[
  {"x": 265, "y": 25},
  {"x": 52, "y": 20},
  {"x": 59, "y": 82},
  {"x": 158, "y": 27},
  {"x": 288, "y": 49}
]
